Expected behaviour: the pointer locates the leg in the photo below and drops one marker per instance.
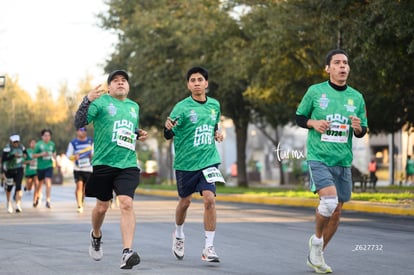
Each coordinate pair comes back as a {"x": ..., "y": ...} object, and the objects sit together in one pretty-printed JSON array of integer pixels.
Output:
[
  {"x": 209, "y": 253},
  {"x": 98, "y": 216},
  {"x": 79, "y": 194},
  {"x": 39, "y": 190},
  {"x": 181, "y": 210},
  {"x": 127, "y": 220},
  {"x": 332, "y": 225},
  {"x": 178, "y": 235},
  {"x": 36, "y": 190},
  {"x": 48, "y": 182},
  {"x": 29, "y": 183},
  {"x": 209, "y": 211},
  {"x": 327, "y": 226}
]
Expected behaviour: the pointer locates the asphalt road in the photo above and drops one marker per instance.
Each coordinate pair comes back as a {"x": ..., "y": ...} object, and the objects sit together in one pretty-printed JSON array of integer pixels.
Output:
[{"x": 250, "y": 239}]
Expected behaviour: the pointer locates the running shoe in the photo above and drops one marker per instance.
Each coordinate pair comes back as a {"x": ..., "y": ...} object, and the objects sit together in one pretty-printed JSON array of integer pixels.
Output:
[
  {"x": 178, "y": 247},
  {"x": 209, "y": 255},
  {"x": 36, "y": 203},
  {"x": 9, "y": 207},
  {"x": 48, "y": 204},
  {"x": 315, "y": 256},
  {"x": 95, "y": 249},
  {"x": 322, "y": 269},
  {"x": 18, "y": 209},
  {"x": 129, "y": 259},
  {"x": 80, "y": 209}
]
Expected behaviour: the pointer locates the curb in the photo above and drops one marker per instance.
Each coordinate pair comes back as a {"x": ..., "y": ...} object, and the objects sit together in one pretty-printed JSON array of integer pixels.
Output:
[{"x": 359, "y": 206}]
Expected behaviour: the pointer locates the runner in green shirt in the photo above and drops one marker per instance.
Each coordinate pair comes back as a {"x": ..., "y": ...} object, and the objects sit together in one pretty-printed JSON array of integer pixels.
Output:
[
  {"x": 334, "y": 113},
  {"x": 12, "y": 159},
  {"x": 115, "y": 121},
  {"x": 193, "y": 125},
  {"x": 45, "y": 152},
  {"x": 30, "y": 171}
]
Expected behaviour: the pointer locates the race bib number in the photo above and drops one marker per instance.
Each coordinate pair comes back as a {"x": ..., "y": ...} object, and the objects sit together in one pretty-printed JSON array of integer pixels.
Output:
[
  {"x": 48, "y": 157},
  {"x": 33, "y": 164},
  {"x": 213, "y": 175},
  {"x": 337, "y": 132},
  {"x": 126, "y": 138},
  {"x": 9, "y": 181},
  {"x": 84, "y": 162}
]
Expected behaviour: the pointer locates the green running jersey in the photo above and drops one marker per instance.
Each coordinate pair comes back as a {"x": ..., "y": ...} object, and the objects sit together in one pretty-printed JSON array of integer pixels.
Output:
[
  {"x": 194, "y": 143},
  {"x": 321, "y": 101},
  {"x": 45, "y": 161},
  {"x": 114, "y": 122}
]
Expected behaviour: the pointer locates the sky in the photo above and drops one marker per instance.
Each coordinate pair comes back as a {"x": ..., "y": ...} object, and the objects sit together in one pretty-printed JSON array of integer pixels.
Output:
[{"x": 49, "y": 43}]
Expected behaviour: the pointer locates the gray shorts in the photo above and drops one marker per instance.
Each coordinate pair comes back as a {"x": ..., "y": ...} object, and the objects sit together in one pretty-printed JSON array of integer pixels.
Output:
[{"x": 322, "y": 176}]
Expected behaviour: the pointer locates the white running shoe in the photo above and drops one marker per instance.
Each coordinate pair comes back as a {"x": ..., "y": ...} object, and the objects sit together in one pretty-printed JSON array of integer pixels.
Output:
[
  {"x": 178, "y": 247},
  {"x": 18, "y": 208},
  {"x": 80, "y": 209},
  {"x": 315, "y": 256},
  {"x": 9, "y": 207},
  {"x": 209, "y": 255},
  {"x": 322, "y": 269},
  {"x": 129, "y": 259},
  {"x": 95, "y": 249}
]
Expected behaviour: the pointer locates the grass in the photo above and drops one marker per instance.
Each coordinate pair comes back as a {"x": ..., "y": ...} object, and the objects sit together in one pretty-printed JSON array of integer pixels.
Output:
[{"x": 389, "y": 194}]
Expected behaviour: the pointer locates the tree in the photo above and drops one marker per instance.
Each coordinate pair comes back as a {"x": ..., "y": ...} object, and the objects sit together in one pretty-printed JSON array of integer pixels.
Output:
[{"x": 160, "y": 41}]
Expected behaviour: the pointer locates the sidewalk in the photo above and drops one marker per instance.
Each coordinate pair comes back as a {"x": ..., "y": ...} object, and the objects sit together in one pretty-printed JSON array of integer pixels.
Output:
[{"x": 359, "y": 206}]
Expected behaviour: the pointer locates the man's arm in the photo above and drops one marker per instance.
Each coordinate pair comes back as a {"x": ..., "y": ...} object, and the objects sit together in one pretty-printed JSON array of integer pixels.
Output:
[{"x": 81, "y": 116}]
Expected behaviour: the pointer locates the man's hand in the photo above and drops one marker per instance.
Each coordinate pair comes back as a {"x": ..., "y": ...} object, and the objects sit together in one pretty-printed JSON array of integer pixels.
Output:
[
  {"x": 143, "y": 135},
  {"x": 218, "y": 136},
  {"x": 319, "y": 125},
  {"x": 95, "y": 93},
  {"x": 170, "y": 123},
  {"x": 356, "y": 124}
]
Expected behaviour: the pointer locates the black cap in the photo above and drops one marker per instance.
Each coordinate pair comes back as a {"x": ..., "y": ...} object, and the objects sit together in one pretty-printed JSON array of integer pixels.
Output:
[{"x": 117, "y": 72}]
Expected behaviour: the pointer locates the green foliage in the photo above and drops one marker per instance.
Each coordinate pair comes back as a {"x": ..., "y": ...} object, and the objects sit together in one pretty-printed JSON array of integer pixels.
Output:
[{"x": 27, "y": 116}]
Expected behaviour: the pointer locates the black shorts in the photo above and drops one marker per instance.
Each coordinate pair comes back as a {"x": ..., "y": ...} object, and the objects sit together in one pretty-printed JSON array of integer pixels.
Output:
[
  {"x": 189, "y": 182},
  {"x": 81, "y": 176},
  {"x": 14, "y": 177},
  {"x": 45, "y": 173},
  {"x": 105, "y": 180}
]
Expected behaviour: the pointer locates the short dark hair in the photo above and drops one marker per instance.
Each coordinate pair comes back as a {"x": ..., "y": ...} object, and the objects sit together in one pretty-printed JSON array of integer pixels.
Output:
[
  {"x": 44, "y": 131},
  {"x": 195, "y": 70},
  {"x": 332, "y": 53}
]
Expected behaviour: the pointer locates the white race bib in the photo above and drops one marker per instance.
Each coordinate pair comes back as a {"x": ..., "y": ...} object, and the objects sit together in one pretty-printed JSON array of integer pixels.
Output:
[
  {"x": 84, "y": 162},
  {"x": 337, "y": 132},
  {"x": 213, "y": 175},
  {"x": 9, "y": 181},
  {"x": 33, "y": 164},
  {"x": 126, "y": 138}
]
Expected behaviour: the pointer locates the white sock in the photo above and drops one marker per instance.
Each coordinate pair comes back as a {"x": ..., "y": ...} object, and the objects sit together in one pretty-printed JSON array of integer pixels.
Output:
[
  {"x": 209, "y": 238},
  {"x": 179, "y": 231},
  {"x": 317, "y": 240}
]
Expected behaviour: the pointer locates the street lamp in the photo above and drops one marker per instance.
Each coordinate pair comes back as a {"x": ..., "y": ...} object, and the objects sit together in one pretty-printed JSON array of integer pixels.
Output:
[{"x": 2, "y": 81}]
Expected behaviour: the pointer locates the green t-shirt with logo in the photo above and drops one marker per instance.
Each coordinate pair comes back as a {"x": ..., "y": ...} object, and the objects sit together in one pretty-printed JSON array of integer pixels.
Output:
[
  {"x": 45, "y": 162},
  {"x": 194, "y": 143},
  {"x": 30, "y": 167},
  {"x": 114, "y": 122},
  {"x": 18, "y": 156},
  {"x": 321, "y": 101}
]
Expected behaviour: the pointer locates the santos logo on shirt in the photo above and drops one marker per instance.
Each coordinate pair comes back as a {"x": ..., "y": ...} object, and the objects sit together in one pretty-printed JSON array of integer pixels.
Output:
[{"x": 323, "y": 102}]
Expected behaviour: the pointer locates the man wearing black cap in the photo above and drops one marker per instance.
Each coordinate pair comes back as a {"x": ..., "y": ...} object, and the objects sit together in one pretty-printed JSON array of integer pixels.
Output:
[{"x": 115, "y": 120}]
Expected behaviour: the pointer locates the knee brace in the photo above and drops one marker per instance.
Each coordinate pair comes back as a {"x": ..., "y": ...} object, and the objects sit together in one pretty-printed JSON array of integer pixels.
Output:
[{"x": 327, "y": 206}]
